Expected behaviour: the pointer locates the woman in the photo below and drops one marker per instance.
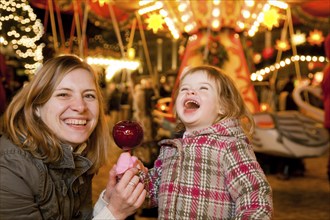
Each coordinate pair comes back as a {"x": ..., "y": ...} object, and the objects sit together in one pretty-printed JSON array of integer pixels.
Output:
[{"x": 54, "y": 141}]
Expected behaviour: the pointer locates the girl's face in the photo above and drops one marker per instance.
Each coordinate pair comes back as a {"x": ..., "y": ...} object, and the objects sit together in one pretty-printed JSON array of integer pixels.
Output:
[
  {"x": 197, "y": 102},
  {"x": 72, "y": 111}
]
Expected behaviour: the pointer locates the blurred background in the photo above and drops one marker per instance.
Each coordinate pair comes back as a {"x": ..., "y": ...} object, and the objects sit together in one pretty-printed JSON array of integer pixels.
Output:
[{"x": 274, "y": 50}]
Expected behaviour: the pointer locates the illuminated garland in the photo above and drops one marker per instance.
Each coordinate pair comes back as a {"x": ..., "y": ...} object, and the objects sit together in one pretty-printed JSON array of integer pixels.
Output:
[
  {"x": 112, "y": 65},
  {"x": 259, "y": 75}
]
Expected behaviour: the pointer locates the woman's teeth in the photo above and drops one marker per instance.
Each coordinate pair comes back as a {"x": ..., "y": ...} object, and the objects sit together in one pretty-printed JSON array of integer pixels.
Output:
[{"x": 75, "y": 122}]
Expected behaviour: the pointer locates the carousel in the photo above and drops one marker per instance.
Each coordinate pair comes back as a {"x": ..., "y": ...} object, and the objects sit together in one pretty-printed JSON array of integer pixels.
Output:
[{"x": 258, "y": 43}]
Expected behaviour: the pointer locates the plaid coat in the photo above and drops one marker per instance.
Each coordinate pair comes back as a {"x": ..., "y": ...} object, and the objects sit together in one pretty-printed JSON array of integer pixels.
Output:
[{"x": 210, "y": 174}]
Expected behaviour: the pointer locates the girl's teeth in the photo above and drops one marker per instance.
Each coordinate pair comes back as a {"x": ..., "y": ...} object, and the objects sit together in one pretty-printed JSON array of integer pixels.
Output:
[{"x": 191, "y": 104}]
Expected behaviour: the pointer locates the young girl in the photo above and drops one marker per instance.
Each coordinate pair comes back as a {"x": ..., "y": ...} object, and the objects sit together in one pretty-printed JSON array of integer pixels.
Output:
[{"x": 212, "y": 172}]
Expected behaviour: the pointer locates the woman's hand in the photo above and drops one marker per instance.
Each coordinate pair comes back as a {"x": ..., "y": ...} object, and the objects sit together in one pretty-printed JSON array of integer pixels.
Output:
[{"x": 126, "y": 196}]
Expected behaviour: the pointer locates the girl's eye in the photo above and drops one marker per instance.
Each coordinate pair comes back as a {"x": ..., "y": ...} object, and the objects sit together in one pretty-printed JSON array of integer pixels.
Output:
[
  {"x": 204, "y": 88},
  {"x": 183, "y": 89}
]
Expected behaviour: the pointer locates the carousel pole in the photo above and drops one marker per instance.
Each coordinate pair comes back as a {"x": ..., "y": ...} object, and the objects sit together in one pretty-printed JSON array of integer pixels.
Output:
[
  {"x": 129, "y": 47},
  {"x": 77, "y": 22},
  {"x": 130, "y": 82},
  {"x": 294, "y": 52},
  {"x": 117, "y": 31},
  {"x": 278, "y": 58},
  {"x": 159, "y": 66},
  {"x": 279, "y": 54},
  {"x": 60, "y": 24},
  {"x": 294, "y": 49},
  {"x": 159, "y": 55},
  {"x": 52, "y": 19},
  {"x": 46, "y": 16},
  {"x": 73, "y": 26},
  {"x": 140, "y": 55},
  {"x": 287, "y": 25},
  {"x": 206, "y": 49},
  {"x": 84, "y": 28},
  {"x": 208, "y": 36},
  {"x": 131, "y": 37},
  {"x": 144, "y": 44},
  {"x": 174, "y": 65},
  {"x": 146, "y": 52}
]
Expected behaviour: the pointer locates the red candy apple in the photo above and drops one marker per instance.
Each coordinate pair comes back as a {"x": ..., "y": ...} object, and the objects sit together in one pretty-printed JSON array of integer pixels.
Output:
[{"x": 127, "y": 134}]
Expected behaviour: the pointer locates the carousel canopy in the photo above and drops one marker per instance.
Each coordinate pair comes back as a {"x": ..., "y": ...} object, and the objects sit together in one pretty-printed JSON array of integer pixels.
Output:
[{"x": 114, "y": 27}]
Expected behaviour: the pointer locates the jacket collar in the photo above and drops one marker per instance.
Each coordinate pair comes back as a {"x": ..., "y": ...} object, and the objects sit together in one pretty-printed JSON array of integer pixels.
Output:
[
  {"x": 227, "y": 127},
  {"x": 70, "y": 159}
]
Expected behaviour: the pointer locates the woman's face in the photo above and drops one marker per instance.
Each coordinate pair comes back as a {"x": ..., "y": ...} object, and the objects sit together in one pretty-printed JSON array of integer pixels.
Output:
[
  {"x": 72, "y": 111},
  {"x": 197, "y": 102}
]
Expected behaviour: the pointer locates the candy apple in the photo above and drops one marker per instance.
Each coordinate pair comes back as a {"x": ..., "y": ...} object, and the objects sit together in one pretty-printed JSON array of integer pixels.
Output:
[{"x": 127, "y": 134}]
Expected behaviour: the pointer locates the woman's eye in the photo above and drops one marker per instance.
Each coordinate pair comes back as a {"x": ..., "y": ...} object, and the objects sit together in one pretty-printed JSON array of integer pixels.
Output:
[
  {"x": 90, "y": 96},
  {"x": 62, "y": 95}
]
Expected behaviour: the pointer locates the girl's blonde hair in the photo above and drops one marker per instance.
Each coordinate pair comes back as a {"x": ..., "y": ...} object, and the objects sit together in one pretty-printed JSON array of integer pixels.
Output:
[
  {"x": 229, "y": 98},
  {"x": 26, "y": 130}
]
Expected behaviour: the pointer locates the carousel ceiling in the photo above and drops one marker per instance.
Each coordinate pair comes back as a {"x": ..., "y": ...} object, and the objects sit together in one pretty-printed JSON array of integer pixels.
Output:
[
  {"x": 189, "y": 16},
  {"x": 70, "y": 22}
]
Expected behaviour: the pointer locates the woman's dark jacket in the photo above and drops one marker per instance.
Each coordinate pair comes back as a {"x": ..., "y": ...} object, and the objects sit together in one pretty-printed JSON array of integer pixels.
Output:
[{"x": 31, "y": 189}]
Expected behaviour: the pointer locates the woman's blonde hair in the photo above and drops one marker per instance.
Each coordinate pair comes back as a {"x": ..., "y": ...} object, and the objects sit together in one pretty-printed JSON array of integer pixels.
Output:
[
  {"x": 229, "y": 97},
  {"x": 26, "y": 130}
]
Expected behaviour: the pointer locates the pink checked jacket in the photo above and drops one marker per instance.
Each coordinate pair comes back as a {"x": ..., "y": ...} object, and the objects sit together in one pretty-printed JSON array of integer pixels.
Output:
[{"x": 210, "y": 174}]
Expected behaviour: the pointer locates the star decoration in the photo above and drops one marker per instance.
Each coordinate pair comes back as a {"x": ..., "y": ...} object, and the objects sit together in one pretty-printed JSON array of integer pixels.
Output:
[
  {"x": 282, "y": 45},
  {"x": 298, "y": 38},
  {"x": 155, "y": 22},
  {"x": 315, "y": 37},
  {"x": 271, "y": 18}
]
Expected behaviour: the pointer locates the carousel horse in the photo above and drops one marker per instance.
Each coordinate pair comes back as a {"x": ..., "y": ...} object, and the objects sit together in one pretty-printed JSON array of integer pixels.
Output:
[
  {"x": 307, "y": 108},
  {"x": 294, "y": 134},
  {"x": 289, "y": 134}
]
